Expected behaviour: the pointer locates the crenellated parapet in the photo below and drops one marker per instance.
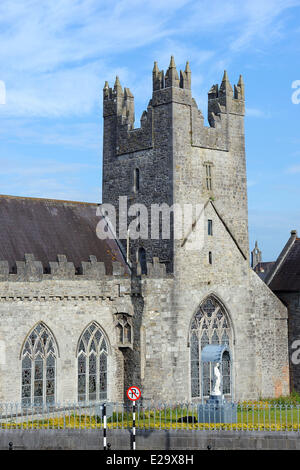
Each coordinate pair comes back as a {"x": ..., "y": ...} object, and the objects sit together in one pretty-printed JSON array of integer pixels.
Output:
[
  {"x": 31, "y": 270},
  {"x": 119, "y": 102},
  {"x": 171, "y": 87},
  {"x": 119, "y": 105},
  {"x": 171, "y": 78},
  {"x": 223, "y": 101},
  {"x": 154, "y": 270}
]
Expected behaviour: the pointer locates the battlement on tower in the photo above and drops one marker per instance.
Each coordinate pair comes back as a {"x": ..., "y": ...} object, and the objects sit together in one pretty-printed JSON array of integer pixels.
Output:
[
  {"x": 171, "y": 87},
  {"x": 119, "y": 104},
  {"x": 223, "y": 101},
  {"x": 171, "y": 78}
]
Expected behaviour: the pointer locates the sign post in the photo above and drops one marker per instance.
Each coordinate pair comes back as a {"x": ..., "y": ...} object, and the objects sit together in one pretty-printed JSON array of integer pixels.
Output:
[
  {"x": 104, "y": 425},
  {"x": 133, "y": 393}
]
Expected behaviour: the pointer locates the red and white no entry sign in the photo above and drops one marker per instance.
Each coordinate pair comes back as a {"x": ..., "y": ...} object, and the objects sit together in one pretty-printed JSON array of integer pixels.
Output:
[{"x": 134, "y": 393}]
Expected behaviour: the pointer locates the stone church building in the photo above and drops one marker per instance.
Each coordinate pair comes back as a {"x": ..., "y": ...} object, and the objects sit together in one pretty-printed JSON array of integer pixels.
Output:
[
  {"x": 283, "y": 278},
  {"x": 83, "y": 318}
]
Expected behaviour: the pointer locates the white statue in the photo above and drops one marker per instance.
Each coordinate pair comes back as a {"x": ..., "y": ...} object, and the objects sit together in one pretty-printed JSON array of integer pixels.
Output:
[{"x": 217, "y": 380}]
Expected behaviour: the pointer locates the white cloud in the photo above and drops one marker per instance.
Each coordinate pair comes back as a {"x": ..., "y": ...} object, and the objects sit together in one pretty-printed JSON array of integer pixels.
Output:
[
  {"x": 56, "y": 55},
  {"x": 293, "y": 169}
]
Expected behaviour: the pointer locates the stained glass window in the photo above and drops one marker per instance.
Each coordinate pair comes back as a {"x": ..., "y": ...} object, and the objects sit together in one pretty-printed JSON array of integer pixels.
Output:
[
  {"x": 92, "y": 364},
  {"x": 38, "y": 367},
  {"x": 226, "y": 372},
  {"x": 195, "y": 379},
  {"x": 210, "y": 325}
]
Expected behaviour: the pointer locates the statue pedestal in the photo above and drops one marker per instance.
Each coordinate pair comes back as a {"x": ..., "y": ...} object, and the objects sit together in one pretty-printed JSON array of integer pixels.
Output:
[
  {"x": 216, "y": 400},
  {"x": 217, "y": 410}
]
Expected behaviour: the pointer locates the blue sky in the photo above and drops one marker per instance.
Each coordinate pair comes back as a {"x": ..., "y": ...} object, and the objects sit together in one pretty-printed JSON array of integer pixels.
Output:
[{"x": 55, "y": 57}]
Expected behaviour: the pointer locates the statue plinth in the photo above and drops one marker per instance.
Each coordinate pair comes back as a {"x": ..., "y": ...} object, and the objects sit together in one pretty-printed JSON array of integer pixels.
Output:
[
  {"x": 217, "y": 410},
  {"x": 215, "y": 399}
]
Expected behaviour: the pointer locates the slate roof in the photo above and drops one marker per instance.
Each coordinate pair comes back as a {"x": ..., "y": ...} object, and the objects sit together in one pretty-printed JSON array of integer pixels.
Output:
[
  {"x": 286, "y": 276},
  {"x": 47, "y": 227}
]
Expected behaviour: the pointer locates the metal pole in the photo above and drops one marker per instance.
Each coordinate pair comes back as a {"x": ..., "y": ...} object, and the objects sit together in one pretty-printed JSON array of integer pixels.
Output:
[
  {"x": 104, "y": 426},
  {"x": 133, "y": 427}
]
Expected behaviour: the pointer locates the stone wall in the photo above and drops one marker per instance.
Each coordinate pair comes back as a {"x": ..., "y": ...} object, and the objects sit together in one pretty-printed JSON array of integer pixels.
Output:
[
  {"x": 67, "y": 308},
  {"x": 258, "y": 321},
  {"x": 154, "y": 164},
  {"x": 161, "y": 309},
  {"x": 292, "y": 302},
  {"x": 67, "y": 303},
  {"x": 120, "y": 439}
]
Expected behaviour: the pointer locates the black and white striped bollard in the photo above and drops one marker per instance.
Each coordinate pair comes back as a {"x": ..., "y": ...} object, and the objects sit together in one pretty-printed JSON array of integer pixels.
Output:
[
  {"x": 104, "y": 426},
  {"x": 133, "y": 427}
]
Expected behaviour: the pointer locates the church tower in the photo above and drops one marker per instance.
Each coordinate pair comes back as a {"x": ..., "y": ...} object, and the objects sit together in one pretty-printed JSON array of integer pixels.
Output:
[
  {"x": 209, "y": 295},
  {"x": 173, "y": 158}
]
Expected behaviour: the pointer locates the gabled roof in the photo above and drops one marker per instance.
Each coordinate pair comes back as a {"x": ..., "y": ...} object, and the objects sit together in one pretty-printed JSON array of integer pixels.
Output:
[
  {"x": 191, "y": 228},
  {"x": 47, "y": 227},
  {"x": 285, "y": 275}
]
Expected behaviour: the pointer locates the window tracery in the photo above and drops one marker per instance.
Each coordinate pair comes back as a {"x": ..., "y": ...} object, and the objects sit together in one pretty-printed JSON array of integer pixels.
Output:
[
  {"x": 92, "y": 364},
  {"x": 210, "y": 325},
  {"x": 39, "y": 367}
]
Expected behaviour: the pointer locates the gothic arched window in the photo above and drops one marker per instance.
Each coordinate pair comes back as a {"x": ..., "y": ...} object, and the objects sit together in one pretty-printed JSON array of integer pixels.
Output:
[
  {"x": 92, "y": 364},
  {"x": 39, "y": 367},
  {"x": 210, "y": 325}
]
